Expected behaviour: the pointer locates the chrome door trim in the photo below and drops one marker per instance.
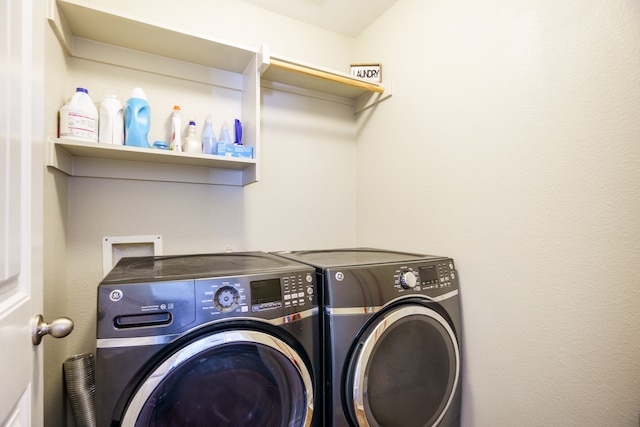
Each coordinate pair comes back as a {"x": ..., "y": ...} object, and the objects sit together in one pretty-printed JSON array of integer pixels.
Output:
[
  {"x": 375, "y": 309},
  {"x": 358, "y": 392},
  {"x": 338, "y": 311},
  {"x": 211, "y": 341},
  {"x": 166, "y": 339},
  {"x": 135, "y": 341}
]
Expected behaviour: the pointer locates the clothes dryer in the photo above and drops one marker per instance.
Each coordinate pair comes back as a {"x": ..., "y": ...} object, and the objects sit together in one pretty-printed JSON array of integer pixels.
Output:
[
  {"x": 227, "y": 339},
  {"x": 391, "y": 335}
]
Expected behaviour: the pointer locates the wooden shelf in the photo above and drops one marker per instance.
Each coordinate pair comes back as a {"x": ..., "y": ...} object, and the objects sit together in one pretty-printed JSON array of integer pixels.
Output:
[
  {"x": 318, "y": 79},
  {"x": 90, "y": 159}
]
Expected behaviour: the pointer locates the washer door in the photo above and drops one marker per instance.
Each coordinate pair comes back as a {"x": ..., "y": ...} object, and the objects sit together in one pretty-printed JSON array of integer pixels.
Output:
[
  {"x": 404, "y": 370},
  {"x": 228, "y": 378}
]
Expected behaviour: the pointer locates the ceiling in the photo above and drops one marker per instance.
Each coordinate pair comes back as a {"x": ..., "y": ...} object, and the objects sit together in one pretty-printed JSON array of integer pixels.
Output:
[{"x": 348, "y": 17}]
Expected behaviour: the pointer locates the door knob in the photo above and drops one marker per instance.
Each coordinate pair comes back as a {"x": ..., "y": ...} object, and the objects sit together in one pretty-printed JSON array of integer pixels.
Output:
[{"x": 59, "y": 328}]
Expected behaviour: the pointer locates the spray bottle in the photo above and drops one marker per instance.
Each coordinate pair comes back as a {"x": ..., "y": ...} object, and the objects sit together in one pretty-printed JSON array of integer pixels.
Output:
[
  {"x": 175, "y": 141},
  {"x": 208, "y": 138}
]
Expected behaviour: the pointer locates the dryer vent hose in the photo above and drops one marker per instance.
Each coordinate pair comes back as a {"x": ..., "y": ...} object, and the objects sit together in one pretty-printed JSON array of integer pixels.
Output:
[{"x": 79, "y": 374}]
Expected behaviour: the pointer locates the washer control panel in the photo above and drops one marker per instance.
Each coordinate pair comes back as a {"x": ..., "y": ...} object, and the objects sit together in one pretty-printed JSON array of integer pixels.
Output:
[
  {"x": 260, "y": 295},
  {"x": 425, "y": 277}
]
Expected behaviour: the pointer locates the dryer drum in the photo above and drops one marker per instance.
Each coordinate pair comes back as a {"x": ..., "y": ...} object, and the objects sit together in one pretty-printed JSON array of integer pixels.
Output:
[
  {"x": 228, "y": 378},
  {"x": 404, "y": 369}
]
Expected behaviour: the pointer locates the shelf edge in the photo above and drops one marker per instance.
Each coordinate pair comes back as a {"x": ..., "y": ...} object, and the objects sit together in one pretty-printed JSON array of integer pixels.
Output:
[{"x": 325, "y": 75}]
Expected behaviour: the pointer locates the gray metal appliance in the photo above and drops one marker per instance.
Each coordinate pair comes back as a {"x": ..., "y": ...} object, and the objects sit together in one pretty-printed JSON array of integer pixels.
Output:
[
  {"x": 391, "y": 333},
  {"x": 227, "y": 339}
]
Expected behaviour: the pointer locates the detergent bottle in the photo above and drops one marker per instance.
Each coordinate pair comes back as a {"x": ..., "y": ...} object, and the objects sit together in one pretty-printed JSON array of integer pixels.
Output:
[
  {"x": 111, "y": 119},
  {"x": 79, "y": 118},
  {"x": 192, "y": 144},
  {"x": 137, "y": 120}
]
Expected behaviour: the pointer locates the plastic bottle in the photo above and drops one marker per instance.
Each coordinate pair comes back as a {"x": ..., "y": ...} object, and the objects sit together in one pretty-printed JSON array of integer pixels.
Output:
[
  {"x": 111, "y": 119},
  {"x": 175, "y": 141},
  {"x": 191, "y": 143},
  {"x": 208, "y": 138},
  {"x": 224, "y": 134},
  {"x": 79, "y": 118},
  {"x": 137, "y": 120}
]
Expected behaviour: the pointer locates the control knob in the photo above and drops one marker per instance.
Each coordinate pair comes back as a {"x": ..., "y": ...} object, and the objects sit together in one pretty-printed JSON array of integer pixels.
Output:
[
  {"x": 408, "y": 279},
  {"x": 226, "y": 298}
]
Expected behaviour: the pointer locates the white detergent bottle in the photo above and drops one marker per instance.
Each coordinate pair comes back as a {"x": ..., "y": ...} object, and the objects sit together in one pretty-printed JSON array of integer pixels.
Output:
[
  {"x": 111, "y": 119},
  {"x": 192, "y": 144},
  {"x": 79, "y": 118}
]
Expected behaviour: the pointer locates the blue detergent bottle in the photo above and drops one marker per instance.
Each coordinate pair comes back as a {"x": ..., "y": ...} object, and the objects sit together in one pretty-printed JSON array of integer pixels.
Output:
[{"x": 137, "y": 120}]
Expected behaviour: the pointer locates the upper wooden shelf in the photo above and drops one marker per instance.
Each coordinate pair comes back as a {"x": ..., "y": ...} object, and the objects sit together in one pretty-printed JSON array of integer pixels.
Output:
[
  {"x": 81, "y": 19},
  {"x": 317, "y": 79}
]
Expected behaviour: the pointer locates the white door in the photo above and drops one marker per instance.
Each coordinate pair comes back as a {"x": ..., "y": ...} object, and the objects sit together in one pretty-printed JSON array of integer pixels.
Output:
[{"x": 21, "y": 173}]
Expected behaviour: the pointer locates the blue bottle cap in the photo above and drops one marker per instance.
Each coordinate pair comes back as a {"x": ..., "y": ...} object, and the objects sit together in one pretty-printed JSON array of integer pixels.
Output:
[{"x": 161, "y": 145}]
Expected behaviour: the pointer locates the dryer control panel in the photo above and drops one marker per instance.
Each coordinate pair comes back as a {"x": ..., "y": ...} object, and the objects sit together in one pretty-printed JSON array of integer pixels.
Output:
[
  {"x": 374, "y": 284},
  {"x": 431, "y": 276},
  {"x": 264, "y": 296}
]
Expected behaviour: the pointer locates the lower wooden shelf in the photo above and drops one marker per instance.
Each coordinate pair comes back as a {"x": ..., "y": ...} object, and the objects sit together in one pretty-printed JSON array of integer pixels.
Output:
[{"x": 89, "y": 159}]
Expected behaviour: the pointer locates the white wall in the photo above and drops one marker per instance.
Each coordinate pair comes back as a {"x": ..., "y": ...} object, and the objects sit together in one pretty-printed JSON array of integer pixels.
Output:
[
  {"x": 55, "y": 302},
  {"x": 241, "y": 23},
  {"x": 514, "y": 133},
  {"x": 308, "y": 156},
  {"x": 510, "y": 143}
]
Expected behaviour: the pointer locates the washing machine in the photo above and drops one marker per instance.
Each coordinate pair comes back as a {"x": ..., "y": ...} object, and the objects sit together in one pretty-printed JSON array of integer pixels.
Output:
[
  {"x": 227, "y": 339},
  {"x": 391, "y": 337}
]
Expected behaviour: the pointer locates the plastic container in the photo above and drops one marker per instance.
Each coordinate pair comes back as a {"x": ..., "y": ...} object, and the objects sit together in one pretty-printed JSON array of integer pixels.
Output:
[
  {"x": 79, "y": 118},
  {"x": 208, "y": 138},
  {"x": 137, "y": 120},
  {"x": 175, "y": 140},
  {"x": 191, "y": 143},
  {"x": 224, "y": 134},
  {"x": 111, "y": 127}
]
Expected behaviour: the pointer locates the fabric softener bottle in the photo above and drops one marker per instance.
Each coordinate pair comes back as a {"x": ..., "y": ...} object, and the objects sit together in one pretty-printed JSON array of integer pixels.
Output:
[
  {"x": 111, "y": 126},
  {"x": 137, "y": 120}
]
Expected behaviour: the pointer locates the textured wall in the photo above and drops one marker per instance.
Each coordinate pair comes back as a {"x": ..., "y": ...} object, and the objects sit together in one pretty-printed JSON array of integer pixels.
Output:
[
  {"x": 301, "y": 139},
  {"x": 511, "y": 143},
  {"x": 514, "y": 130}
]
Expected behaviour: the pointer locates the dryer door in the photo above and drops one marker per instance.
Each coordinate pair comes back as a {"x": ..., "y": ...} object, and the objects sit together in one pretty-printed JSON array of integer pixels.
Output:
[
  {"x": 228, "y": 378},
  {"x": 404, "y": 370}
]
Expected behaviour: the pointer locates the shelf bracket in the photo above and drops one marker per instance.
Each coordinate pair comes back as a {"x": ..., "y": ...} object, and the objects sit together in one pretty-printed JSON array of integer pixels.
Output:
[
  {"x": 264, "y": 58},
  {"x": 59, "y": 158},
  {"x": 369, "y": 100},
  {"x": 59, "y": 26}
]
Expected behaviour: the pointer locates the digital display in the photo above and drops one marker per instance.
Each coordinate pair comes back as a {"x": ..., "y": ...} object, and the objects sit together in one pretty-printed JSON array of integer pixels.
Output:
[
  {"x": 264, "y": 291},
  {"x": 429, "y": 274}
]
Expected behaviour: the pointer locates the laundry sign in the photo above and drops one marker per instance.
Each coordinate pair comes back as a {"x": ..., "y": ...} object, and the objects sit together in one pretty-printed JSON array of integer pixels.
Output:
[{"x": 372, "y": 72}]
